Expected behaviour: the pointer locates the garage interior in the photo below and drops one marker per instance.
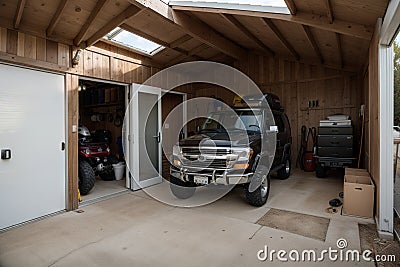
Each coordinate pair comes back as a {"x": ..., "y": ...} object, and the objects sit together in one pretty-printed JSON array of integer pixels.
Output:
[
  {"x": 324, "y": 52},
  {"x": 101, "y": 110}
]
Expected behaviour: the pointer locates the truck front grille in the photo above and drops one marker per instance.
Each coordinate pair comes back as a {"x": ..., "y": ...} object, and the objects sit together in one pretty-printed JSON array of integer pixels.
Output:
[{"x": 209, "y": 163}]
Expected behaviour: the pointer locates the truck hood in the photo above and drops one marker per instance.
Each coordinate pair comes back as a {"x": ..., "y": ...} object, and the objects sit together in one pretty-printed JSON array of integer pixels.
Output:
[{"x": 237, "y": 139}]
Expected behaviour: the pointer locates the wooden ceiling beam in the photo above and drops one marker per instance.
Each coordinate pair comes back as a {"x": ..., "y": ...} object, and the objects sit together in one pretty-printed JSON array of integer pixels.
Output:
[
  {"x": 329, "y": 11},
  {"x": 193, "y": 27},
  {"x": 93, "y": 14},
  {"x": 56, "y": 17},
  {"x": 291, "y": 6},
  {"x": 115, "y": 22},
  {"x": 339, "y": 46},
  {"x": 181, "y": 40},
  {"x": 318, "y": 21},
  {"x": 280, "y": 36},
  {"x": 18, "y": 13},
  {"x": 313, "y": 43},
  {"x": 201, "y": 31},
  {"x": 232, "y": 20}
]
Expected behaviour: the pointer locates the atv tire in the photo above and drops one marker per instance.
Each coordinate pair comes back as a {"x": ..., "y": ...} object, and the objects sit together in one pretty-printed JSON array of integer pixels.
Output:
[
  {"x": 107, "y": 174},
  {"x": 284, "y": 172},
  {"x": 180, "y": 189},
  {"x": 259, "y": 196},
  {"x": 86, "y": 176}
]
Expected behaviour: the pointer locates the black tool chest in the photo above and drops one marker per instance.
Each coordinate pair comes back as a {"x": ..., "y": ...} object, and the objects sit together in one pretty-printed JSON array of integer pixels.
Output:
[{"x": 335, "y": 148}]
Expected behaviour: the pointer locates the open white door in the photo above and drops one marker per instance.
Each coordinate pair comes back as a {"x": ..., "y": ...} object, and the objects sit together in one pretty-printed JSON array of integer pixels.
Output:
[{"x": 144, "y": 137}]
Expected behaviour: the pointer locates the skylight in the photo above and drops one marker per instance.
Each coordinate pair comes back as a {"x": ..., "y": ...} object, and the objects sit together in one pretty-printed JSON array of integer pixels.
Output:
[
  {"x": 133, "y": 41},
  {"x": 271, "y": 6}
]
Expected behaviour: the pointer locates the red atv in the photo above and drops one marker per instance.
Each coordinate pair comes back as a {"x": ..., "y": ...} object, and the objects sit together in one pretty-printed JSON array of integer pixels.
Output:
[{"x": 94, "y": 158}]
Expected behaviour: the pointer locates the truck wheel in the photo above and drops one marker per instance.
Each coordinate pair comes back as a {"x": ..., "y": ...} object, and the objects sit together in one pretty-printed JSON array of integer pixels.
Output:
[
  {"x": 259, "y": 196},
  {"x": 86, "y": 176},
  {"x": 180, "y": 189},
  {"x": 284, "y": 172},
  {"x": 320, "y": 171}
]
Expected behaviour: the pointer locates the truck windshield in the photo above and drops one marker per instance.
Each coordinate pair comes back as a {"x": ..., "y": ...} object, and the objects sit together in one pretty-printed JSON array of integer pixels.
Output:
[{"x": 246, "y": 120}]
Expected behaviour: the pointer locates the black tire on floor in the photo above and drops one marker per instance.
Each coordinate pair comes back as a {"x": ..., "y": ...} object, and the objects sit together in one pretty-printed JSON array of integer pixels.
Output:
[
  {"x": 284, "y": 172},
  {"x": 259, "y": 196},
  {"x": 87, "y": 177},
  {"x": 320, "y": 171},
  {"x": 180, "y": 189},
  {"x": 108, "y": 174}
]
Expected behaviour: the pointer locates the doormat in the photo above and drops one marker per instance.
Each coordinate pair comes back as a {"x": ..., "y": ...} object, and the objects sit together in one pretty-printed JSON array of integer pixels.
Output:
[{"x": 302, "y": 224}]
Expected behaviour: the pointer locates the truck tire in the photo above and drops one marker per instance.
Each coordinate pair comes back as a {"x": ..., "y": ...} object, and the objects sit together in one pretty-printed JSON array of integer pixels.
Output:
[
  {"x": 320, "y": 171},
  {"x": 284, "y": 172},
  {"x": 259, "y": 196},
  {"x": 180, "y": 189},
  {"x": 86, "y": 176}
]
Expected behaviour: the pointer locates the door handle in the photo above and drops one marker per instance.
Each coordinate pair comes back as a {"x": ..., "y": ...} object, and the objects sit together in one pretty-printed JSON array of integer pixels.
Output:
[
  {"x": 158, "y": 137},
  {"x": 62, "y": 146}
]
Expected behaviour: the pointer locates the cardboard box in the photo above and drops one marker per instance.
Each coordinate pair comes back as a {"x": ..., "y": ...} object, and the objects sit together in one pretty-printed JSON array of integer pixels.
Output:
[
  {"x": 358, "y": 199},
  {"x": 353, "y": 171}
]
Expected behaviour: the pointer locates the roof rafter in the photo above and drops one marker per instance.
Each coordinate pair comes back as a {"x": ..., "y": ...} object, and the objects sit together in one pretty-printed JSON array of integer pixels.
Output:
[
  {"x": 329, "y": 11},
  {"x": 193, "y": 27},
  {"x": 200, "y": 30},
  {"x": 181, "y": 40},
  {"x": 115, "y": 22},
  {"x": 318, "y": 21},
  {"x": 56, "y": 17},
  {"x": 18, "y": 13},
  {"x": 231, "y": 19},
  {"x": 313, "y": 43},
  {"x": 280, "y": 36},
  {"x": 93, "y": 14},
  {"x": 291, "y": 6}
]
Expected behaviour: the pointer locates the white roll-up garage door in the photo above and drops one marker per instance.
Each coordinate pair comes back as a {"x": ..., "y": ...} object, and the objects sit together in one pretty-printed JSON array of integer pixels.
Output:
[{"x": 32, "y": 133}]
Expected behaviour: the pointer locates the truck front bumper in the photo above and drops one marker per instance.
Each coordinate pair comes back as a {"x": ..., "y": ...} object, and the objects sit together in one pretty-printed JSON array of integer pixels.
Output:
[{"x": 222, "y": 177}]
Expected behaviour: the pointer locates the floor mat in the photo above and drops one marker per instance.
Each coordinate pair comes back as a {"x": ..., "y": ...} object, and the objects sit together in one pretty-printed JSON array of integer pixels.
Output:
[{"x": 302, "y": 224}]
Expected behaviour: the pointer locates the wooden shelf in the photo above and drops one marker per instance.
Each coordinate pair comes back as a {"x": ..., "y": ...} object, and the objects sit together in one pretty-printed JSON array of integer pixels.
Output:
[
  {"x": 104, "y": 105},
  {"x": 322, "y": 108}
]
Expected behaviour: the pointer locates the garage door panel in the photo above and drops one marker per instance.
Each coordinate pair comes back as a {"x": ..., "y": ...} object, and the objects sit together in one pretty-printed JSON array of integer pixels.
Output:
[{"x": 32, "y": 126}]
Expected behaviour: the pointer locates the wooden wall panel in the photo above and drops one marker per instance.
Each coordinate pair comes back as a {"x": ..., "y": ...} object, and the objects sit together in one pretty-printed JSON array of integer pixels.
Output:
[
  {"x": 296, "y": 84},
  {"x": 373, "y": 114},
  {"x": 72, "y": 84}
]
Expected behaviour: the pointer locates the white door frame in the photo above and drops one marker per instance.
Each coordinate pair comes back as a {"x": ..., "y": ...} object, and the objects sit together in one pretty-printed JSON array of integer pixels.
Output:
[
  {"x": 387, "y": 34},
  {"x": 134, "y": 123}
]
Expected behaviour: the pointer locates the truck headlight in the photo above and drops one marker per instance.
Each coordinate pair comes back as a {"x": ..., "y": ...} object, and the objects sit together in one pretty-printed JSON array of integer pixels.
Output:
[
  {"x": 242, "y": 159},
  {"x": 87, "y": 151}
]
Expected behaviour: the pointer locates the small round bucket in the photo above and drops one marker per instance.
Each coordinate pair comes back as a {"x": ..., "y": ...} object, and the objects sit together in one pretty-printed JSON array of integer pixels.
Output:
[{"x": 119, "y": 170}]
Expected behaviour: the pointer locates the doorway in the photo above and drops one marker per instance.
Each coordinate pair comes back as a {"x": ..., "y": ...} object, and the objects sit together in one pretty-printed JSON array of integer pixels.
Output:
[{"x": 101, "y": 155}]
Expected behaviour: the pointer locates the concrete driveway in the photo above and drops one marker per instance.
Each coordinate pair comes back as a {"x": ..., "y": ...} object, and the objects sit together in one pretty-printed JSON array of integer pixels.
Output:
[{"x": 135, "y": 230}]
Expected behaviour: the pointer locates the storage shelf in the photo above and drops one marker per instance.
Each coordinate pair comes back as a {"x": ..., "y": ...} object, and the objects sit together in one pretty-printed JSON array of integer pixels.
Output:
[
  {"x": 322, "y": 108},
  {"x": 104, "y": 105}
]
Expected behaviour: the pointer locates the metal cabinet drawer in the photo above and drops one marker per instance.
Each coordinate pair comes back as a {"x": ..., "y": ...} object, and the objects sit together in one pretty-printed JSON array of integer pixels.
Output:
[
  {"x": 338, "y": 152},
  {"x": 335, "y": 130},
  {"x": 335, "y": 140}
]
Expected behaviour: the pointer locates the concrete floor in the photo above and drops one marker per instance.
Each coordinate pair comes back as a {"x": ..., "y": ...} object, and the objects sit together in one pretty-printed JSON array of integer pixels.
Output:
[
  {"x": 104, "y": 188},
  {"x": 135, "y": 230}
]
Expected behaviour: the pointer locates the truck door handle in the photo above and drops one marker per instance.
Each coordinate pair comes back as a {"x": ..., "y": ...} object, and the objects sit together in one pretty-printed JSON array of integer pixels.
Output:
[{"x": 158, "y": 137}]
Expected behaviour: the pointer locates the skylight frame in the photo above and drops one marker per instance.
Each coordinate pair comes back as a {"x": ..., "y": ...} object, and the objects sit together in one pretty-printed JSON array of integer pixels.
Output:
[
  {"x": 113, "y": 35},
  {"x": 217, "y": 4}
]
